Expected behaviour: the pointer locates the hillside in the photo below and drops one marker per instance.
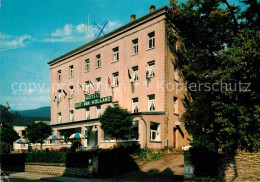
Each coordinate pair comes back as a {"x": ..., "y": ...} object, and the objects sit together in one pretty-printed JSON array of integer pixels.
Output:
[{"x": 42, "y": 112}]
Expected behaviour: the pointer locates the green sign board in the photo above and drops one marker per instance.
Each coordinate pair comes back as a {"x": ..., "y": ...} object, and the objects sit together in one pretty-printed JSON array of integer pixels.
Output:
[
  {"x": 92, "y": 96},
  {"x": 93, "y": 102}
]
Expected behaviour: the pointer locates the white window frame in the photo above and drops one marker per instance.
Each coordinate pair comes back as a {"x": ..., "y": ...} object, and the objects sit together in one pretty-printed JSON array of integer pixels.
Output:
[
  {"x": 59, "y": 117},
  {"x": 115, "y": 54},
  {"x": 98, "y": 111},
  {"x": 87, "y": 84},
  {"x": 155, "y": 132},
  {"x": 71, "y": 115},
  {"x": 175, "y": 72},
  {"x": 115, "y": 79},
  {"x": 135, "y": 46},
  {"x": 135, "y": 76},
  {"x": 150, "y": 102},
  {"x": 98, "y": 59},
  {"x": 152, "y": 39},
  {"x": 71, "y": 71},
  {"x": 59, "y": 95},
  {"x": 71, "y": 91},
  {"x": 59, "y": 75},
  {"x": 151, "y": 68},
  {"x": 135, "y": 107},
  {"x": 98, "y": 84},
  {"x": 87, "y": 65},
  {"x": 176, "y": 105},
  {"x": 87, "y": 113}
]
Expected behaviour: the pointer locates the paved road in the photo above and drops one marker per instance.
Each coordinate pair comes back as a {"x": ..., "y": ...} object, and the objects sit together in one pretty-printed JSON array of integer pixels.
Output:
[{"x": 168, "y": 168}]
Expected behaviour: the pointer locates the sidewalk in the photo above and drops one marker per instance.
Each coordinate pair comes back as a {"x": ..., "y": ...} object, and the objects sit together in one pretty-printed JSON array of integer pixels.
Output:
[{"x": 44, "y": 177}]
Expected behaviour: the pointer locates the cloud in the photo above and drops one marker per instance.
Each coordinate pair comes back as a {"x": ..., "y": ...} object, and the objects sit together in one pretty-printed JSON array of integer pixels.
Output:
[
  {"x": 81, "y": 28},
  {"x": 8, "y": 42},
  {"x": 65, "y": 31},
  {"x": 78, "y": 33}
]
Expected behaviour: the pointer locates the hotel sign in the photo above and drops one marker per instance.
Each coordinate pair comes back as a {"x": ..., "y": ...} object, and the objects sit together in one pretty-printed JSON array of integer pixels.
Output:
[
  {"x": 93, "y": 99},
  {"x": 92, "y": 96}
]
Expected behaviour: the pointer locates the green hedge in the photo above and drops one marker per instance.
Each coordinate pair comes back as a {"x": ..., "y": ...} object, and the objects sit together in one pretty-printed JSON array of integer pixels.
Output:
[{"x": 46, "y": 157}]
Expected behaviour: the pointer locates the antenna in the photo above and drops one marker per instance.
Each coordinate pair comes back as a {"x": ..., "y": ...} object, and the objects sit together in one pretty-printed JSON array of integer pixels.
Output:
[
  {"x": 88, "y": 26},
  {"x": 100, "y": 29}
]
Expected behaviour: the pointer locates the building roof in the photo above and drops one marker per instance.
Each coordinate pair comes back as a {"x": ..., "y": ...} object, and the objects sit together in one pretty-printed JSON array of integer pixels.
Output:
[{"x": 95, "y": 42}]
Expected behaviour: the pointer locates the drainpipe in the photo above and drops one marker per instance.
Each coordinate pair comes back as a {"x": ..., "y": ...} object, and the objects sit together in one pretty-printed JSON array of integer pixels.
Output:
[{"x": 141, "y": 116}]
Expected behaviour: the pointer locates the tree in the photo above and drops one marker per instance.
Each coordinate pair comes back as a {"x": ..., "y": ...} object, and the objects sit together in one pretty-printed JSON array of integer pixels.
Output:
[
  {"x": 219, "y": 46},
  {"x": 117, "y": 122},
  {"x": 8, "y": 135},
  {"x": 38, "y": 132}
]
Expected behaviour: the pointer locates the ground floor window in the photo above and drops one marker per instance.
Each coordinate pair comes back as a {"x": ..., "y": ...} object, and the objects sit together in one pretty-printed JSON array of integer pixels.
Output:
[
  {"x": 135, "y": 130},
  {"x": 154, "y": 131}
]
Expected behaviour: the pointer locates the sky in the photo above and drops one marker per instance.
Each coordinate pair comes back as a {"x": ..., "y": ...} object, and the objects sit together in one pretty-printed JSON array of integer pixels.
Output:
[{"x": 34, "y": 32}]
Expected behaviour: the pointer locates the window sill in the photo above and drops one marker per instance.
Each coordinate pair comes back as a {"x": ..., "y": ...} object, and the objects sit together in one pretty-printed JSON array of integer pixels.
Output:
[
  {"x": 114, "y": 61},
  {"x": 71, "y": 77},
  {"x": 150, "y": 48},
  {"x": 86, "y": 71},
  {"x": 176, "y": 80},
  {"x": 176, "y": 114},
  {"x": 98, "y": 67},
  {"x": 155, "y": 141},
  {"x": 134, "y": 54},
  {"x": 150, "y": 77}
]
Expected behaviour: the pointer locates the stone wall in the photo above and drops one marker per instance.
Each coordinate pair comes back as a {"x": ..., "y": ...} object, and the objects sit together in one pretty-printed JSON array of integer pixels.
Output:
[
  {"x": 58, "y": 170},
  {"x": 241, "y": 167}
]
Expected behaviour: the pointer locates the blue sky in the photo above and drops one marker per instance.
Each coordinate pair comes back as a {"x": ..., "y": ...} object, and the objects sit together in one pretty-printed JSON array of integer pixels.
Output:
[{"x": 34, "y": 32}]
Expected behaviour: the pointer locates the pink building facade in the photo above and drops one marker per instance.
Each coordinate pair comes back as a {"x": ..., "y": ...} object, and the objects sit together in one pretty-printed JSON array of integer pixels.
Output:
[{"x": 131, "y": 67}]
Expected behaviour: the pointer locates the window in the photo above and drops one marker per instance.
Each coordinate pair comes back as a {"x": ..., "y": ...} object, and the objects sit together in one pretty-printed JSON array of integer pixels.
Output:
[
  {"x": 71, "y": 116},
  {"x": 87, "y": 113},
  {"x": 116, "y": 54},
  {"x": 71, "y": 71},
  {"x": 87, "y": 86},
  {"x": 115, "y": 79},
  {"x": 98, "y": 111},
  {"x": 175, "y": 72},
  {"x": 98, "y": 84},
  {"x": 150, "y": 73},
  {"x": 135, "y": 130},
  {"x": 59, "y": 75},
  {"x": 87, "y": 65},
  {"x": 175, "y": 105},
  {"x": 71, "y": 91},
  {"x": 154, "y": 131},
  {"x": 98, "y": 57},
  {"x": 151, "y": 99},
  {"x": 59, "y": 95},
  {"x": 135, "y": 105},
  {"x": 135, "y": 73},
  {"x": 23, "y": 132},
  {"x": 135, "y": 46},
  {"x": 59, "y": 117},
  {"x": 151, "y": 40}
]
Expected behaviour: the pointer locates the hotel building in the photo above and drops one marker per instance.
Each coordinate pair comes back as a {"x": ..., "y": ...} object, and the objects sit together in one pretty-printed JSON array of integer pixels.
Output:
[{"x": 131, "y": 67}]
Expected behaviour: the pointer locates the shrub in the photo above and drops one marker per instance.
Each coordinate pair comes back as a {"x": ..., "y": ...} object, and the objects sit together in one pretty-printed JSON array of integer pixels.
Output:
[{"x": 46, "y": 157}]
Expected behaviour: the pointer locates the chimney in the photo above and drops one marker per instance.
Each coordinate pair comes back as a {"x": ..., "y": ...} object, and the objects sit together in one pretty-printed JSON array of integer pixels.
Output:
[
  {"x": 152, "y": 8},
  {"x": 132, "y": 17}
]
